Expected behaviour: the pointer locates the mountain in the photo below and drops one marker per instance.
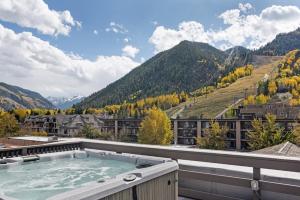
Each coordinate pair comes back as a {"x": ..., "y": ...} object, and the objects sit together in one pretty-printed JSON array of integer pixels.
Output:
[
  {"x": 185, "y": 67},
  {"x": 63, "y": 102},
  {"x": 282, "y": 44},
  {"x": 16, "y": 97}
]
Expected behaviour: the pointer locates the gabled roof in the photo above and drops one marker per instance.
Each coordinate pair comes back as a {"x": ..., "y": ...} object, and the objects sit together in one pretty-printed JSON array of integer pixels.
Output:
[{"x": 285, "y": 149}]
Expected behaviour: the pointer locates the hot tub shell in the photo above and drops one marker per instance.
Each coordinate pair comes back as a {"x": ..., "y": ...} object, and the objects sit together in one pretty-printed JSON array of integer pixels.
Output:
[{"x": 159, "y": 180}]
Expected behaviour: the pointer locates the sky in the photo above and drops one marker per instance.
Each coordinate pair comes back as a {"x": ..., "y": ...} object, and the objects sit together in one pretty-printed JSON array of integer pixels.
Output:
[{"x": 65, "y": 48}]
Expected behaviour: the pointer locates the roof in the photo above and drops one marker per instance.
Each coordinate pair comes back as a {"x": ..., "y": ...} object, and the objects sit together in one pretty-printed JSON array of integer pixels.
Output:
[{"x": 285, "y": 149}]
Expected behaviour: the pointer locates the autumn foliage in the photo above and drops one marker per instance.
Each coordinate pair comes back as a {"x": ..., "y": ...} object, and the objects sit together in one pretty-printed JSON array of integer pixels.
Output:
[{"x": 155, "y": 128}]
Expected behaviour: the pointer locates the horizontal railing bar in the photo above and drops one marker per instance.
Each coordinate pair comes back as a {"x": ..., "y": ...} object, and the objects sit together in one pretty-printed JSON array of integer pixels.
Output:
[
  {"x": 242, "y": 182},
  {"x": 213, "y": 156},
  {"x": 280, "y": 188},
  {"x": 196, "y": 194},
  {"x": 229, "y": 180}
]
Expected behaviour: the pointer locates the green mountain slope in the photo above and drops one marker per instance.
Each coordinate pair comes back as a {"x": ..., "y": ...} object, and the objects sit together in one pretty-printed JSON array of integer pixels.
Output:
[
  {"x": 15, "y": 97},
  {"x": 282, "y": 44},
  {"x": 185, "y": 67}
]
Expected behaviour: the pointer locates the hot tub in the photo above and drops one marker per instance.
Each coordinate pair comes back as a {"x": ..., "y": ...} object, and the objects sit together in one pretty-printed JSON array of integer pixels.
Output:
[{"x": 88, "y": 174}]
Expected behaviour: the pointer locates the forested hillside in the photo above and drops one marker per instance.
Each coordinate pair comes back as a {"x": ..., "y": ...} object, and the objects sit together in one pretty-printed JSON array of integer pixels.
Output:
[
  {"x": 185, "y": 67},
  {"x": 284, "y": 86},
  {"x": 282, "y": 44}
]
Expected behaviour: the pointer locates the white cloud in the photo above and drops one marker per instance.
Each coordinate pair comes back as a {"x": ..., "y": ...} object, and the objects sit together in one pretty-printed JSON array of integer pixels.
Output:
[
  {"x": 30, "y": 62},
  {"x": 245, "y": 7},
  {"x": 95, "y": 32},
  {"x": 116, "y": 28},
  {"x": 230, "y": 16},
  {"x": 130, "y": 51},
  {"x": 249, "y": 30},
  {"x": 126, "y": 40},
  {"x": 36, "y": 14},
  {"x": 164, "y": 38}
]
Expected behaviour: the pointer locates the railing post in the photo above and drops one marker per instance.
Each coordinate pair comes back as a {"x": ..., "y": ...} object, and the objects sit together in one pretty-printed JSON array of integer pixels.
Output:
[
  {"x": 199, "y": 129},
  {"x": 255, "y": 186},
  {"x": 238, "y": 135},
  {"x": 175, "y": 131},
  {"x": 116, "y": 128},
  {"x": 24, "y": 151}
]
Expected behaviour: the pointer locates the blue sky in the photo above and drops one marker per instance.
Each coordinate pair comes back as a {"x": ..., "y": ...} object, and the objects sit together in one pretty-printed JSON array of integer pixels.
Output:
[
  {"x": 138, "y": 17},
  {"x": 65, "y": 48}
]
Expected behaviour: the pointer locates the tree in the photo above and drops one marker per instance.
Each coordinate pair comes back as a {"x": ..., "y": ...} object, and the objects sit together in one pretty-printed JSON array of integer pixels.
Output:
[
  {"x": 214, "y": 137},
  {"x": 155, "y": 128},
  {"x": 266, "y": 134},
  {"x": 8, "y": 125},
  {"x": 250, "y": 100},
  {"x": 93, "y": 133},
  {"x": 272, "y": 87},
  {"x": 296, "y": 134},
  {"x": 89, "y": 132},
  {"x": 21, "y": 114},
  {"x": 261, "y": 99}
]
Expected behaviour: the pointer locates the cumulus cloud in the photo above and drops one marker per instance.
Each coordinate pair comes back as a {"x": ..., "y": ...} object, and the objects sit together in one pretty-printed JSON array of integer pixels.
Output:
[
  {"x": 250, "y": 30},
  {"x": 230, "y": 16},
  {"x": 126, "y": 40},
  {"x": 164, "y": 38},
  {"x": 36, "y": 14},
  {"x": 35, "y": 64},
  {"x": 95, "y": 32},
  {"x": 116, "y": 28},
  {"x": 130, "y": 51}
]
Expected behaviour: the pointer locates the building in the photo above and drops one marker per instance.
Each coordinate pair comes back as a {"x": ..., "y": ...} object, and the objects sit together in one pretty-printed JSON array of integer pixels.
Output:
[
  {"x": 71, "y": 125},
  {"x": 62, "y": 125},
  {"x": 283, "y": 149},
  {"x": 47, "y": 123},
  {"x": 186, "y": 131},
  {"x": 280, "y": 110}
]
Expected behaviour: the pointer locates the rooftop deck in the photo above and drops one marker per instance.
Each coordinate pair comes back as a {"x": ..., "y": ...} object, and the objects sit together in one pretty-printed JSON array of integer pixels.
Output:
[{"x": 205, "y": 174}]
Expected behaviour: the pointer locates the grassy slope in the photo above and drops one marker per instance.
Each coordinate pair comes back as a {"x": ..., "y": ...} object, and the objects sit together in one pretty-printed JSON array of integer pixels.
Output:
[{"x": 217, "y": 101}]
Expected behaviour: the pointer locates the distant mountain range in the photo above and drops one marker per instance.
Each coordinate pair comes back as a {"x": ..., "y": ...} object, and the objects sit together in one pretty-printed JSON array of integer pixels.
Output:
[
  {"x": 63, "y": 102},
  {"x": 16, "y": 97}
]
